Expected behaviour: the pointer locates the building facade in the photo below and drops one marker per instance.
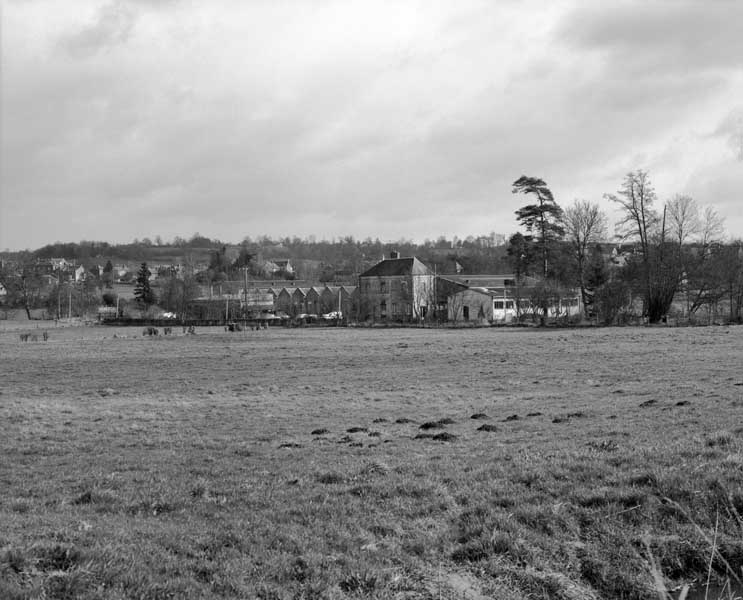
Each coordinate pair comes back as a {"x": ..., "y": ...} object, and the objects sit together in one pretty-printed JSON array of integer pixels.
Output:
[{"x": 396, "y": 289}]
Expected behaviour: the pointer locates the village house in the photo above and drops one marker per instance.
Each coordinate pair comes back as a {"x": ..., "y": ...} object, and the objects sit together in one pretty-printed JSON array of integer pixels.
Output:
[
  {"x": 80, "y": 273},
  {"x": 396, "y": 289},
  {"x": 481, "y": 305},
  {"x": 284, "y": 265},
  {"x": 498, "y": 299}
]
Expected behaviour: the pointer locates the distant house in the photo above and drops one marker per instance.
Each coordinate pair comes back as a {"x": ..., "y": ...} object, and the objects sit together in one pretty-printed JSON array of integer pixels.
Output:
[
  {"x": 498, "y": 299},
  {"x": 284, "y": 265},
  {"x": 481, "y": 305},
  {"x": 121, "y": 271},
  {"x": 396, "y": 289},
  {"x": 80, "y": 273},
  {"x": 60, "y": 264},
  {"x": 268, "y": 267}
]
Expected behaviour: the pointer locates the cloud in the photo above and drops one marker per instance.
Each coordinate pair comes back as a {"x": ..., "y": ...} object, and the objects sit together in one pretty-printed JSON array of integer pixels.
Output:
[
  {"x": 385, "y": 119},
  {"x": 658, "y": 36},
  {"x": 113, "y": 25}
]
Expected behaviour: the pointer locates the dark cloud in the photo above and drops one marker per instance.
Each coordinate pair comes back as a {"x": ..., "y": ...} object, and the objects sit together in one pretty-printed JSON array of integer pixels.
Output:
[{"x": 658, "y": 36}]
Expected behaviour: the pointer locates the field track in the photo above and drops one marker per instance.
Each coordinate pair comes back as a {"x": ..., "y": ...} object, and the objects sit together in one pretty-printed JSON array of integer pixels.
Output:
[{"x": 302, "y": 450}]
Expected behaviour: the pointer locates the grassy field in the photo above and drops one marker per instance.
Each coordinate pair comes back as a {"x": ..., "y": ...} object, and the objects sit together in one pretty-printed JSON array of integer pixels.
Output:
[{"x": 344, "y": 463}]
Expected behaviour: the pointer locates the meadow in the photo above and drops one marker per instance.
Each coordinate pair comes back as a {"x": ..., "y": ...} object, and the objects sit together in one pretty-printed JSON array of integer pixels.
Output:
[{"x": 348, "y": 463}]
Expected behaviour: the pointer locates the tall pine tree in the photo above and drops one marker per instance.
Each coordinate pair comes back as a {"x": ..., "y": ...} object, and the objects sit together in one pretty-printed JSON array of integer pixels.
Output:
[
  {"x": 142, "y": 290},
  {"x": 542, "y": 220}
]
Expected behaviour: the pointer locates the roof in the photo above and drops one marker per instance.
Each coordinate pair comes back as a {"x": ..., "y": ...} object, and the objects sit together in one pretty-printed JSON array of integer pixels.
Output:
[
  {"x": 395, "y": 267},
  {"x": 481, "y": 290},
  {"x": 483, "y": 281}
]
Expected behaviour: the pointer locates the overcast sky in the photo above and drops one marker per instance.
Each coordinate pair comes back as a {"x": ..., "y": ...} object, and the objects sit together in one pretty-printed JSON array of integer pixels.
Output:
[{"x": 401, "y": 119}]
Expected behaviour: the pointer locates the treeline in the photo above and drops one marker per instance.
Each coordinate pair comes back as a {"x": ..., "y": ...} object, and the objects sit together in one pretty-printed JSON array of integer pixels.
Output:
[
  {"x": 667, "y": 259},
  {"x": 671, "y": 259},
  {"x": 483, "y": 253}
]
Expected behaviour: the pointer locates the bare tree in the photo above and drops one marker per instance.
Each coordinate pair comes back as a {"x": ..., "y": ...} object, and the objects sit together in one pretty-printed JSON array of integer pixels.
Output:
[
  {"x": 712, "y": 227},
  {"x": 683, "y": 218},
  {"x": 660, "y": 270},
  {"x": 636, "y": 199},
  {"x": 585, "y": 226},
  {"x": 694, "y": 234}
]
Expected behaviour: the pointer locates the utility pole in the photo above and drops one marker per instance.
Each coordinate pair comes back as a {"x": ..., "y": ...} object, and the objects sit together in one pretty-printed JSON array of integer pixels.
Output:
[{"x": 245, "y": 269}]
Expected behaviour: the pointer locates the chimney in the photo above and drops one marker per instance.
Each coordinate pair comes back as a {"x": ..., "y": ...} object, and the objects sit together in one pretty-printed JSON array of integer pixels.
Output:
[{"x": 394, "y": 254}]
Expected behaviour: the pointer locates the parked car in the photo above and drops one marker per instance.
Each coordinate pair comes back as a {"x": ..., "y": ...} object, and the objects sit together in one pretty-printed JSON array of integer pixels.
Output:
[{"x": 332, "y": 316}]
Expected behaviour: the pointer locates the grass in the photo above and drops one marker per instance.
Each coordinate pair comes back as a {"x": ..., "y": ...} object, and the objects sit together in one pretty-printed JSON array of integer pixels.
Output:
[{"x": 346, "y": 464}]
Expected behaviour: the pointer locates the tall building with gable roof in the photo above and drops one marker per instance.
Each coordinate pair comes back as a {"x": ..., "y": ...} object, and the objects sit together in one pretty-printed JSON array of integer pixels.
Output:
[{"x": 396, "y": 289}]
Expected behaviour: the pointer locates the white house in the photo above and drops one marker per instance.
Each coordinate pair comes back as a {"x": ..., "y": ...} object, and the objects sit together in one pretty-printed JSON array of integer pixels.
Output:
[{"x": 477, "y": 304}]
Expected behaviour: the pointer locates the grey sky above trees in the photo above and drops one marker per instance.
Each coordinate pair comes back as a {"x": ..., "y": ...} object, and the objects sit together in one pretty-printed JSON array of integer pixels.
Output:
[{"x": 389, "y": 119}]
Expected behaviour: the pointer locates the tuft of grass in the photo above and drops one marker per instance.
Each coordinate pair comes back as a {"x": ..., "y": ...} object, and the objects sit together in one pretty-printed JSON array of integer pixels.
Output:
[
  {"x": 364, "y": 583},
  {"x": 330, "y": 478},
  {"x": 719, "y": 439}
]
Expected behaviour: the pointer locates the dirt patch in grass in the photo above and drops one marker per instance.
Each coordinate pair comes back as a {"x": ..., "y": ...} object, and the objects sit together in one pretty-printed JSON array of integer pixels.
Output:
[{"x": 487, "y": 427}]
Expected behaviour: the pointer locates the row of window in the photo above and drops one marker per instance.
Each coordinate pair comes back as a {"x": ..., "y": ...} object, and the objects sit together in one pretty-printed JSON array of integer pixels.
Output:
[{"x": 384, "y": 286}]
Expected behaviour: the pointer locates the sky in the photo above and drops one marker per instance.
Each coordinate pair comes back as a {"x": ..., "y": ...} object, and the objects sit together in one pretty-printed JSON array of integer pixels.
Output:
[{"x": 392, "y": 119}]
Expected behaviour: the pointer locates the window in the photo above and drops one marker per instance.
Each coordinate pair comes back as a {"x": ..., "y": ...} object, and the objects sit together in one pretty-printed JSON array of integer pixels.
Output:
[
  {"x": 466, "y": 313},
  {"x": 498, "y": 304},
  {"x": 383, "y": 286},
  {"x": 395, "y": 308}
]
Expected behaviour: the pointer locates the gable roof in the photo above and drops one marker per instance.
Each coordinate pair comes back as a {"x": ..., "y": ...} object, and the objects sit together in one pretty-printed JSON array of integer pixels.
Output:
[{"x": 395, "y": 267}]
